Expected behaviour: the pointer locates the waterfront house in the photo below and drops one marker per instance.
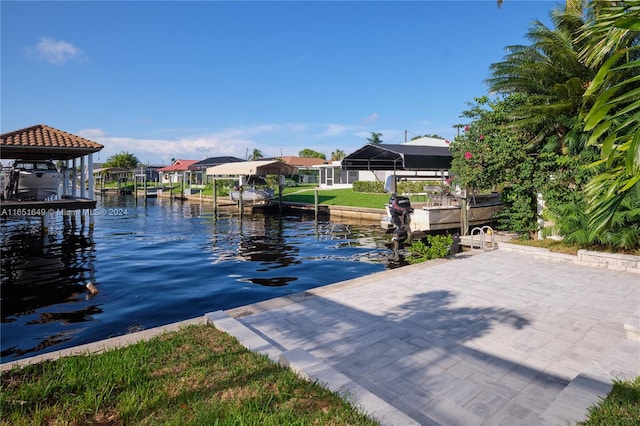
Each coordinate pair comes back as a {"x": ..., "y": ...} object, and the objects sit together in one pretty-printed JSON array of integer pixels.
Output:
[
  {"x": 199, "y": 169},
  {"x": 176, "y": 172}
]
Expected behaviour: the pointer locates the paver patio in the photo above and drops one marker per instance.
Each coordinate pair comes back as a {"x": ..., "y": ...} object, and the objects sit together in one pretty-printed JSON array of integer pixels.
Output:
[{"x": 496, "y": 338}]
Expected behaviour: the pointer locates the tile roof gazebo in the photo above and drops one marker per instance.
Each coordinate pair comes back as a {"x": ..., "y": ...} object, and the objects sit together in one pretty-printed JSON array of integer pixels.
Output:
[{"x": 42, "y": 142}]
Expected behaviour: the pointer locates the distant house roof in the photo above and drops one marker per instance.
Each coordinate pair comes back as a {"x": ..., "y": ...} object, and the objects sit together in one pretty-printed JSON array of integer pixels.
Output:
[
  {"x": 302, "y": 161},
  {"x": 213, "y": 161},
  {"x": 398, "y": 157},
  {"x": 178, "y": 166},
  {"x": 41, "y": 142},
  {"x": 248, "y": 168}
]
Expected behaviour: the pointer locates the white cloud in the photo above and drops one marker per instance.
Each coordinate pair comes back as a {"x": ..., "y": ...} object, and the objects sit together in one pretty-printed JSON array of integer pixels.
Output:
[
  {"x": 371, "y": 118},
  {"x": 337, "y": 129},
  {"x": 232, "y": 142},
  {"x": 271, "y": 139},
  {"x": 56, "y": 51},
  {"x": 92, "y": 134}
]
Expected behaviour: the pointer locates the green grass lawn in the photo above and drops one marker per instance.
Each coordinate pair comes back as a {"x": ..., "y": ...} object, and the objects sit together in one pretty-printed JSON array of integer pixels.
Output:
[
  {"x": 620, "y": 407},
  {"x": 336, "y": 197},
  {"x": 195, "y": 376}
]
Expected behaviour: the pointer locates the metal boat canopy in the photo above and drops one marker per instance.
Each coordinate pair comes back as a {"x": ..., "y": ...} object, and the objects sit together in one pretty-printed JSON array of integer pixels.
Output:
[{"x": 398, "y": 157}]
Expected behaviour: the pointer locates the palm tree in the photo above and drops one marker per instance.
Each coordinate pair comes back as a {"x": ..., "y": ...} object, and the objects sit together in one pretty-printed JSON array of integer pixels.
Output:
[
  {"x": 375, "y": 138},
  {"x": 569, "y": 5},
  {"x": 550, "y": 72},
  {"x": 256, "y": 155},
  {"x": 458, "y": 127},
  {"x": 338, "y": 155},
  {"x": 613, "y": 42}
]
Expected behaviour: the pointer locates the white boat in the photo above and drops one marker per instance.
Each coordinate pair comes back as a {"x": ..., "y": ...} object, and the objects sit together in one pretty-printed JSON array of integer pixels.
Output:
[
  {"x": 31, "y": 180},
  {"x": 253, "y": 195},
  {"x": 480, "y": 211}
]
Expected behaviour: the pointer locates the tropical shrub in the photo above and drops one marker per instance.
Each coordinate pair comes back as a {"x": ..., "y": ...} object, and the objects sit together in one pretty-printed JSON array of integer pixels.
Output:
[{"x": 437, "y": 248}]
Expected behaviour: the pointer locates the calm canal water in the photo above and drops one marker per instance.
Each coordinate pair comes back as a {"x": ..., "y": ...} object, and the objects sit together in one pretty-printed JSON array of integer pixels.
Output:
[{"x": 161, "y": 263}]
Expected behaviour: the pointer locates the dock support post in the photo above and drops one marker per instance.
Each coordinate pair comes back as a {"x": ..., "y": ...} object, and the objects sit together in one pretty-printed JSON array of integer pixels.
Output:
[
  {"x": 464, "y": 217},
  {"x": 90, "y": 176},
  {"x": 65, "y": 182},
  {"x": 281, "y": 179},
  {"x": 215, "y": 196},
  {"x": 315, "y": 201},
  {"x": 82, "y": 171},
  {"x": 74, "y": 181},
  {"x": 241, "y": 205}
]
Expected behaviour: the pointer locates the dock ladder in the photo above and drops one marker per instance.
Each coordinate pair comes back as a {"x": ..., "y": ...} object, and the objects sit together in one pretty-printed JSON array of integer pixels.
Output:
[{"x": 482, "y": 233}]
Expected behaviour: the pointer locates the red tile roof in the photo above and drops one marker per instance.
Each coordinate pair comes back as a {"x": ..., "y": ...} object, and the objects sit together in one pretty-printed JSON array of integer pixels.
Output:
[
  {"x": 45, "y": 142},
  {"x": 178, "y": 166}
]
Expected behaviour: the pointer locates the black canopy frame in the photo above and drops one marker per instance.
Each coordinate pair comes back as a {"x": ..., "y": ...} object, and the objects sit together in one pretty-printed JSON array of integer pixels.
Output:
[{"x": 398, "y": 157}]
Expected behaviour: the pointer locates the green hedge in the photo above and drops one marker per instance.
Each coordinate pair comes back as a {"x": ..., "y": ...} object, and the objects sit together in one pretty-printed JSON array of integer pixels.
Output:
[
  {"x": 368, "y": 186},
  {"x": 404, "y": 187}
]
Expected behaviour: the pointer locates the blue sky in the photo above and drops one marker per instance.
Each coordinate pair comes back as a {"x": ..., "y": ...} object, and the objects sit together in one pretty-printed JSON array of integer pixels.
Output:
[{"x": 191, "y": 80}]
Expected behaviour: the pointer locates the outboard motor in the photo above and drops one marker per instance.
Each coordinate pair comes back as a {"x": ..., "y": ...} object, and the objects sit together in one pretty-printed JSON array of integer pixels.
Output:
[{"x": 400, "y": 208}]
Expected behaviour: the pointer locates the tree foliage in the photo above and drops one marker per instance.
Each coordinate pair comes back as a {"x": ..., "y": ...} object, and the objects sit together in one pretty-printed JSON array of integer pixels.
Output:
[
  {"x": 375, "y": 138},
  {"x": 427, "y": 135},
  {"x": 491, "y": 155},
  {"x": 565, "y": 124},
  {"x": 256, "y": 154},
  {"x": 612, "y": 41},
  {"x": 309, "y": 153},
  {"x": 338, "y": 155},
  {"x": 124, "y": 160}
]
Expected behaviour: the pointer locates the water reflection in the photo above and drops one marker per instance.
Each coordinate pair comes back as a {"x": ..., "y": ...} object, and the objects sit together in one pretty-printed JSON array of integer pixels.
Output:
[
  {"x": 268, "y": 245},
  {"x": 44, "y": 277},
  {"x": 43, "y": 270},
  {"x": 163, "y": 262}
]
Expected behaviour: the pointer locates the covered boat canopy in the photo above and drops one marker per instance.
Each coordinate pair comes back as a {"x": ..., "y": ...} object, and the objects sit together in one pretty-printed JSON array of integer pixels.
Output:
[
  {"x": 249, "y": 168},
  {"x": 398, "y": 157}
]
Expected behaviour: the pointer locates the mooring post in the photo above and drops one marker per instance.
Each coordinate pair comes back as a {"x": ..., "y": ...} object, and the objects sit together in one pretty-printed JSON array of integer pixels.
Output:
[
  {"x": 464, "y": 217},
  {"x": 281, "y": 179},
  {"x": 215, "y": 196},
  {"x": 315, "y": 201}
]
